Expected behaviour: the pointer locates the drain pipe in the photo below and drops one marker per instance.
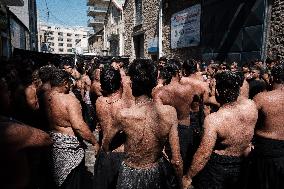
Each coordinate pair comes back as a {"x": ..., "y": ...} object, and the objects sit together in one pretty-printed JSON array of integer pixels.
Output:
[{"x": 160, "y": 37}]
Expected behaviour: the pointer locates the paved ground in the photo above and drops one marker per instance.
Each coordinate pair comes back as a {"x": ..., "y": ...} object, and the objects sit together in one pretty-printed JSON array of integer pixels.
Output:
[{"x": 90, "y": 159}]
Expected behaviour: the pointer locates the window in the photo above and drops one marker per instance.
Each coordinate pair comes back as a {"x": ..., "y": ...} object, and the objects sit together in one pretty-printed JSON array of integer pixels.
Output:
[
  {"x": 60, "y": 44},
  {"x": 77, "y": 40},
  {"x": 69, "y": 34},
  {"x": 60, "y": 33},
  {"x": 69, "y": 50},
  {"x": 138, "y": 12},
  {"x": 76, "y": 35},
  {"x": 51, "y": 44},
  {"x": 60, "y": 39},
  {"x": 50, "y": 38},
  {"x": 60, "y": 50},
  {"x": 69, "y": 40},
  {"x": 69, "y": 45}
]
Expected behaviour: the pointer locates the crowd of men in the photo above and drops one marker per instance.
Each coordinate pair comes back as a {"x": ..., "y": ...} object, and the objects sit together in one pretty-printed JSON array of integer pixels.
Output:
[{"x": 153, "y": 125}]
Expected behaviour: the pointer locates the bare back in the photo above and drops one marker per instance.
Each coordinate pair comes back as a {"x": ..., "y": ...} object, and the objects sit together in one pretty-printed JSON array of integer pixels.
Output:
[
  {"x": 107, "y": 109},
  {"x": 271, "y": 107},
  {"x": 58, "y": 115},
  {"x": 178, "y": 96},
  {"x": 147, "y": 127},
  {"x": 234, "y": 127}
]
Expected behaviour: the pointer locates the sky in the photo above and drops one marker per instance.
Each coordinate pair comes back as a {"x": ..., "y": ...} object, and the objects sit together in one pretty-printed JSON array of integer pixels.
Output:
[{"x": 63, "y": 12}]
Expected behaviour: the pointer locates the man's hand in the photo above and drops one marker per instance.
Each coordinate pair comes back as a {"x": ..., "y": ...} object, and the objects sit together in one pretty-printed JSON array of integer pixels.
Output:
[{"x": 186, "y": 182}]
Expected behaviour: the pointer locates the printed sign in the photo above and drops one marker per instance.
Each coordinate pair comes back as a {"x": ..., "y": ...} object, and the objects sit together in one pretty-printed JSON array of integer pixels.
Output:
[
  {"x": 153, "y": 45},
  {"x": 185, "y": 27}
]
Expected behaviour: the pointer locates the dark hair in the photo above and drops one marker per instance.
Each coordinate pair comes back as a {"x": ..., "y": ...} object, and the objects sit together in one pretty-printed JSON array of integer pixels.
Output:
[
  {"x": 163, "y": 59},
  {"x": 45, "y": 73},
  {"x": 189, "y": 67},
  {"x": 110, "y": 80},
  {"x": 278, "y": 73},
  {"x": 165, "y": 75},
  {"x": 59, "y": 77},
  {"x": 143, "y": 74},
  {"x": 241, "y": 76},
  {"x": 66, "y": 62},
  {"x": 169, "y": 71},
  {"x": 228, "y": 86}
]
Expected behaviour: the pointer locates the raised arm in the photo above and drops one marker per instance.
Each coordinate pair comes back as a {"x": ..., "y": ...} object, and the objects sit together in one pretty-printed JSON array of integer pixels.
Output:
[
  {"x": 22, "y": 136},
  {"x": 204, "y": 151},
  {"x": 127, "y": 91},
  {"x": 77, "y": 122},
  {"x": 174, "y": 144}
]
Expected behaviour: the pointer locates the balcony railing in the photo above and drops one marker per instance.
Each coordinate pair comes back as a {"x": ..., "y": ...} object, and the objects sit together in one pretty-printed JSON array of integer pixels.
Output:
[
  {"x": 13, "y": 2},
  {"x": 93, "y": 10},
  {"x": 95, "y": 21},
  {"x": 93, "y": 2}
]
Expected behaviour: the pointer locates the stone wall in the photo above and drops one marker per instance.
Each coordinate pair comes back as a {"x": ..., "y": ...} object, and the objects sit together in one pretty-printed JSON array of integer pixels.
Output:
[
  {"x": 149, "y": 27},
  {"x": 128, "y": 26},
  {"x": 170, "y": 8},
  {"x": 275, "y": 46}
]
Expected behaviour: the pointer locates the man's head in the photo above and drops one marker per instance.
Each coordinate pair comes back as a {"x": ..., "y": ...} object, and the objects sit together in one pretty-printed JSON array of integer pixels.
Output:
[
  {"x": 67, "y": 65},
  {"x": 255, "y": 73},
  {"x": 189, "y": 67},
  {"x": 143, "y": 74},
  {"x": 45, "y": 73},
  {"x": 115, "y": 63},
  {"x": 246, "y": 68},
  {"x": 162, "y": 62},
  {"x": 61, "y": 78},
  {"x": 169, "y": 71},
  {"x": 227, "y": 87},
  {"x": 110, "y": 79},
  {"x": 277, "y": 73}
]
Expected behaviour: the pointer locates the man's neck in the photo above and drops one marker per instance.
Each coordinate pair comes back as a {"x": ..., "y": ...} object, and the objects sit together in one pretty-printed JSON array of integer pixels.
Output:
[
  {"x": 175, "y": 79},
  {"x": 142, "y": 99},
  {"x": 229, "y": 104},
  {"x": 277, "y": 86},
  {"x": 58, "y": 89},
  {"x": 114, "y": 95}
]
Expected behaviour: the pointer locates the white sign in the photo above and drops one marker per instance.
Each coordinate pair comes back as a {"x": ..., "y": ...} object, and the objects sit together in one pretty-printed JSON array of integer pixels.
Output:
[
  {"x": 185, "y": 27},
  {"x": 153, "y": 45}
]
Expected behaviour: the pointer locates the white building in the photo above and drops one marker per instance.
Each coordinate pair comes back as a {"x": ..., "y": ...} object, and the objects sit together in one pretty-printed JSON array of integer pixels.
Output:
[
  {"x": 107, "y": 21},
  {"x": 63, "y": 40}
]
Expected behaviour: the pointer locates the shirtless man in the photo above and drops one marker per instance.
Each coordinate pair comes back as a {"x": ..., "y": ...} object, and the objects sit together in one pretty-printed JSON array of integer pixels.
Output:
[
  {"x": 147, "y": 125},
  {"x": 227, "y": 135},
  {"x": 17, "y": 139},
  {"x": 180, "y": 96},
  {"x": 107, "y": 106},
  {"x": 66, "y": 123},
  {"x": 268, "y": 153}
]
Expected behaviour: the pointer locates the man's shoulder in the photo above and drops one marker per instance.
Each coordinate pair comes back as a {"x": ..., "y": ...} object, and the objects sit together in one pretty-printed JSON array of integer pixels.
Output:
[{"x": 260, "y": 96}]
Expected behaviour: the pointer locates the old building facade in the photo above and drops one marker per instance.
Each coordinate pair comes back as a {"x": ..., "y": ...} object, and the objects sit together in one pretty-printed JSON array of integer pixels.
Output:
[
  {"x": 213, "y": 29},
  {"x": 62, "y": 40},
  {"x": 275, "y": 46},
  {"x": 27, "y": 15},
  {"x": 114, "y": 29}
]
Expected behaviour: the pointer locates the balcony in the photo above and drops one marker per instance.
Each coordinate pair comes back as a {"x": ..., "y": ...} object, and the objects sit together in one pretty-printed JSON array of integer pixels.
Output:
[
  {"x": 94, "y": 2},
  {"x": 13, "y": 2},
  {"x": 92, "y": 11},
  {"x": 96, "y": 22}
]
